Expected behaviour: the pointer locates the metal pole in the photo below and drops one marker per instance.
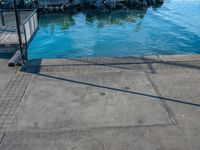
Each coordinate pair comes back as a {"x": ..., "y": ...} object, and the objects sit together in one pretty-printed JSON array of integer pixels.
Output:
[
  {"x": 18, "y": 28},
  {"x": 2, "y": 19},
  {"x": 22, "y": 4}
]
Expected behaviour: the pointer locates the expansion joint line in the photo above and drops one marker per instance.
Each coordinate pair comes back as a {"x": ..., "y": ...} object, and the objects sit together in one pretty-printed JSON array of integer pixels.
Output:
[{"x": 163, "y": 102}]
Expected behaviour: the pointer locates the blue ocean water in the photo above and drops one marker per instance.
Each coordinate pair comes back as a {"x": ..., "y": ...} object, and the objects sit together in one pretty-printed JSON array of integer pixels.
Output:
[{"x": 173, "y": 28}]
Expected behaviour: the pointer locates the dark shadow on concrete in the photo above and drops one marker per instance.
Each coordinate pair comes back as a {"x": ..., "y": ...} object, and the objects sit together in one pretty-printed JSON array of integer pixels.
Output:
[
  {"x": 36, "y": 71},
  {"x": 120, "y": 90},
  {"x": 148, "y": 61},
  {"x": 36, "y": 67},
  {"x": 5, "y": 55}
]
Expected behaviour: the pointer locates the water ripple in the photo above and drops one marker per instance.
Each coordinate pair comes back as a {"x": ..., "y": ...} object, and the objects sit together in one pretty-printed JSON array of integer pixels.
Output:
[{"x": 173, "y": 28}]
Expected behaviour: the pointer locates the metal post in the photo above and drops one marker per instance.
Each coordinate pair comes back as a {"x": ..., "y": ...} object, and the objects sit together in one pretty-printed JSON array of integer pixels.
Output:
[
  {"x": 2, "y": 19},
  {"x": 22, "y": 4},
  {"x": 19, "y": 15},
  {"x": 18, "y": 29}
]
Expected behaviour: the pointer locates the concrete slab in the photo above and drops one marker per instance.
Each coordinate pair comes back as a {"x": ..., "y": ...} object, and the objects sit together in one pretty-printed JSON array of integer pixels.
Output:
[
  {"x": 89, "y": 60},
  {"x": 179, "y": 57},
  {"x": 110, "y": 108},
  {"x": 177, "y": 82},
  {"x": 182, "y": 136},
  {"x": 6, "y": 73},
  {"x": 128, "y": 63},
  {"x": 71, "y": 101}
]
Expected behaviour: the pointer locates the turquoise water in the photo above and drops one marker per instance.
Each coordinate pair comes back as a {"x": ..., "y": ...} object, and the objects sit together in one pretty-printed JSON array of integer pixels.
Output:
[{"x": 173, "y": 28}]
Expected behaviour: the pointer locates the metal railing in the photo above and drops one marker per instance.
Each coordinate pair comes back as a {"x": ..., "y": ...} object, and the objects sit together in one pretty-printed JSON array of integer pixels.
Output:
[
  {"x": 7, "y": 16},
  {"x": 28, "y": 21},
  {"x": 30, "y": 27}
]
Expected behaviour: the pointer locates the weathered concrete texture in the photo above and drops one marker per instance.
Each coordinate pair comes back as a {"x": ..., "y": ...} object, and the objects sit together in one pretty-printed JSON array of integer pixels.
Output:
[
  {"x": 5, "y": 72},
  {"x": 13, "y": 86},
  {"x": 90, "y": 100},
  {"x": 110, "y": 104},
  {"x": 5, "y": 76},
  {"x": 176, "y": 77},
  {"x": 178, "y": 82}
]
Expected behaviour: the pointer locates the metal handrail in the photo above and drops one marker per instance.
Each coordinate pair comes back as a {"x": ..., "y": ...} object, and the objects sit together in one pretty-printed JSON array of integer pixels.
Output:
[
  {"x": 31, "y": 15},
  {"x": 30, "y": 26},
  {"x": 2, "y": 18},
  {"x": 29, "y": 39}
]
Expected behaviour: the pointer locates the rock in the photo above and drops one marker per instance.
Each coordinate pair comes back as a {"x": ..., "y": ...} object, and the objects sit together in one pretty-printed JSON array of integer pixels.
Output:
[
  {"x": 91, "y": 2},
  {"x": 148, "y": 2},
  {"x": 99, "y": 4},
  {"x": 145, "y": 3},
  {"x": 159, "y": 1},
  {"x": 153, "y": 2},
  {"x": 139, "y": 2},
  {"x": 77, "y": 2},
  {"x": 135, "y": 3},
  {"x": 110, "y": 3},
  {"x": 121, "y": 6}
]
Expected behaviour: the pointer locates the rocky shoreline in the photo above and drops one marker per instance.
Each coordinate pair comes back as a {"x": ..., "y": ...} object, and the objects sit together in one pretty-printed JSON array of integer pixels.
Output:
[
  {"x": 112, "y": 4},
  {"x": 63, "y": 5},
  {"x": 104, "y": 4}
]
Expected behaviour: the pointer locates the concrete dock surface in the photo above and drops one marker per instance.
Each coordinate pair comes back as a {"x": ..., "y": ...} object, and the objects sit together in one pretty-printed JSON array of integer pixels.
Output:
[{"x": 119, "y": 103}]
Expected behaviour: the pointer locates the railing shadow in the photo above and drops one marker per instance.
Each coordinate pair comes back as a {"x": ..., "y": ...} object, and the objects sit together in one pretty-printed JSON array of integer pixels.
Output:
[
  {"x": 119, "y": 90},
  {"x": 148, "y": 61},
  {"x": 36, "y": 70}
]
